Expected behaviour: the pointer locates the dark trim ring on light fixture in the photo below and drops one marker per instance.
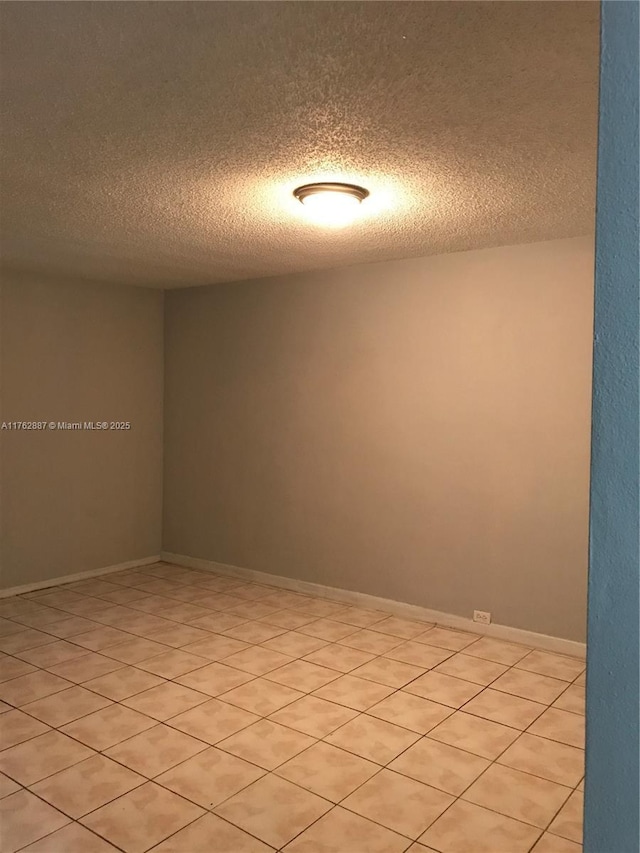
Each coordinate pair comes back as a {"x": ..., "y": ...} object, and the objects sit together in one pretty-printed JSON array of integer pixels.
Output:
[{"x": 348, "y": 189}]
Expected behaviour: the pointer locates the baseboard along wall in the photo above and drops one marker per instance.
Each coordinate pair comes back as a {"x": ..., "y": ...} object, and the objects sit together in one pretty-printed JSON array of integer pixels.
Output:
[
  {"x": 77, "y": 576},
  {"x": 396, "y": 608}
]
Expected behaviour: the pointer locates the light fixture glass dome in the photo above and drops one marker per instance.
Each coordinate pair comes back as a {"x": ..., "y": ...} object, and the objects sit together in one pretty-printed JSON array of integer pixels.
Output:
[{"x": 331, "y": 204}]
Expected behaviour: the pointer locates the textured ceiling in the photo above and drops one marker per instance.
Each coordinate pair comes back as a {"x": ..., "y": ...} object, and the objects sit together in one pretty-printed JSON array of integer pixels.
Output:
[{"x": 159, "y": 143}]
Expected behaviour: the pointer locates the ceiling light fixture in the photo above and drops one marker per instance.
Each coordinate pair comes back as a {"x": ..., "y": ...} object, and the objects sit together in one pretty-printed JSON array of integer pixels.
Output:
[{"x": 330, "y": 204}]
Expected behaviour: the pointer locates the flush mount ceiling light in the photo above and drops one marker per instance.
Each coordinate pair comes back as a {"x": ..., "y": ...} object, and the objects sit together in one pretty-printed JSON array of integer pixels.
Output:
[{"x": 333, "y": 205}]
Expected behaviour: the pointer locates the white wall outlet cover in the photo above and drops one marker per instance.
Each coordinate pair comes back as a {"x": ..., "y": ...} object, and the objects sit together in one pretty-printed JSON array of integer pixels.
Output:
[{"x": 482, "y": 616}]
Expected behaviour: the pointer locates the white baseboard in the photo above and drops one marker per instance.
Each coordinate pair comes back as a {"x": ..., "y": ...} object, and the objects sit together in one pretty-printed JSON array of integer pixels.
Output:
[
  {"x": 77, "y": 576},
  {"x": 397, "y": 608}
]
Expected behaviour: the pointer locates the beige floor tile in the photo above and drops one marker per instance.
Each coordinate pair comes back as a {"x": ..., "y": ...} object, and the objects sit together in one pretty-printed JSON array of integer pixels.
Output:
[
  {"x": 313, "y": 716},
  {"x": 215, "y": 678},
  {"x": 504, "y": 708},
  {"x": 210, "y": 777},
  {"x": 447, "y": 638},
  {"x": 581, "y": 679},
  {"x": 261, "y": 697},
  {"x": 419, "y": 654},
  {"x": 573, "y": 699},
  {"x": 142, "y": 818},
  {"x": 553, "y": 844},
  {"x": 321, "y": 607},
  {"x": 295, "y": 644},
  {"x": 340, "y": 658},
  {"x": 359, "y": 617},
  {"x": 273, "y": 809},
  {"x": 393, "y": 673},
  {"x": 151, "y": 603},
  {"x": 497, "y": 651},
  {"x": 7, "y": 786},
  {"x": 42, "y": 756},
  {"x": 172, "y": 664},
  {"x": 27, "y": 639},
  {"x": 328, "y": 771},
  {"x": 123, "y": 683},
  {"x": 28, "y": 688},
  {"x": 216, "y": 647},
  {"x": 444, "y": 689},
  {"x": 559, "y": 725},
  {"x": 24, "y": 818},
  {"x": 581, "y": 785},
  {"x": 66, "y": 706},
  {"x": 464, "y": 828},
  {"x": 341, "y": 831},
  {"x": 476, "y": 670},
  {"x": 39, "y": 618},
  {"x": 329, "y": 630},
  {"x": 71, "y": 626},
  {"x": 405, "y": 629},
  {"x": 474, "y": 734},
  {"x": 15, "y": 606},
  {"x": 287, "y": 600},
  {"x": 7, "y": 627},
  {"x": 518, "y": 795},
  {"x": 257, "y": 661},
  {"x": 439, "y": 765},
  {"x": 108, "y": 727},
  {"x": 211, "y": 834},
  {"x": 555, "y": 666},
  {"x": 222, "y": 601},
  {"x": 166, "y": 700},
  {"x": 399, "y": 803},
  {"x": 288, "y": 619},
  {"x": 253, "y": 591},
  {"x": 180, "y": 636},
  {"x": 134, "y": 650},
  {"x": 568, "y": 822},
  {"x": 252, "y": 609},
  {"x": 530, "y": 685},
  {"x": 266, "y": 744},
  {"x": 548, "y": 759},
  {"x": 4, "y": 707},
  {"x": 156, "y": 750},
  {"x": 416, "y": 847},
  {"x": 123, "y": 596},
  {"x": 356, "y": 693},
  {"x": 146, "y": 625},
  {"x": 17, "y": 727},
  {"x": 96, "y": 609},
  {"x": 87, "y": 786},
  {"x": 412, "y": 712},
  {"x": 371, "y": 641},
  {"x": 11, "y": 667},
  {"x": 218, "y": 622},
  {"x": 373, "y": 739},
  {"x": 254, "y": 632},
  {"x": 213, "y": 721},
  {"x": 101, "y": 638},
  {"x": 72, "y": 838},
  {"x": 303, "y": 676},
  {"x": 91, "y": 665},
  {"x": 182, "y": 612}
]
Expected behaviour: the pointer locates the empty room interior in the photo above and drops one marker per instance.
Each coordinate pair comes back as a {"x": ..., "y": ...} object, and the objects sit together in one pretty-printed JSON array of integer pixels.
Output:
[{"x": 296, "y": 371}]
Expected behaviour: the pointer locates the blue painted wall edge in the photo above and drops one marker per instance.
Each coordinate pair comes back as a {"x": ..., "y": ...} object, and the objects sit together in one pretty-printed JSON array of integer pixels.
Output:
[{"x": 613, "y": 701}]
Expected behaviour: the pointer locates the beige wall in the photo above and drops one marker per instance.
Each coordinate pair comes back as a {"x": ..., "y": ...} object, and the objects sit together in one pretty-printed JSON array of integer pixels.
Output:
[
  {"x": 416, "y": 429},
  {"x": 75, "y": 501}
]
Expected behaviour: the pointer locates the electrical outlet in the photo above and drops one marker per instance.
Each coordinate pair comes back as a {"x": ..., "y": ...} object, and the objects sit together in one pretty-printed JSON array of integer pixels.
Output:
[{"x": 482, "y": 616}]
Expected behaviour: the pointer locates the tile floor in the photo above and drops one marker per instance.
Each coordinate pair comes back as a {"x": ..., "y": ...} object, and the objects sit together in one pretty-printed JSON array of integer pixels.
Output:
[{"x": 179, "y": 711}]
